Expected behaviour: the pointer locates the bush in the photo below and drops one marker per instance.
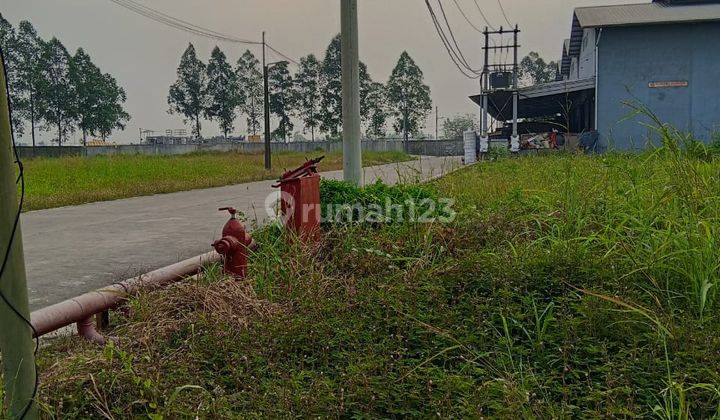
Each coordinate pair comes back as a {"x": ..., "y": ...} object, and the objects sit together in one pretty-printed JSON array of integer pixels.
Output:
[{"x": 344, "y": 202}]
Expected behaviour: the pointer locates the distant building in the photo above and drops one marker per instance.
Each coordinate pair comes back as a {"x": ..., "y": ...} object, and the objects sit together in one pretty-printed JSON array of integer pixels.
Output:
[
  {"x": 166, "y": 140},
  {"x": 175, "y": 140},
  {"x": 663, "y": 54},
  {"x": 99, "y": 143}
]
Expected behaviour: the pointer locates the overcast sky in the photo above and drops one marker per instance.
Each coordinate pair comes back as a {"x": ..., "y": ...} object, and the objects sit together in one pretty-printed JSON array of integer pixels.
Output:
[{"x": 143, "y": 55}]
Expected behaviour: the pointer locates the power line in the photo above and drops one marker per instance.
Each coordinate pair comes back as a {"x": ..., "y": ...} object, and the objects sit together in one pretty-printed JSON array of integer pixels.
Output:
[
  {"x": 454, "y": 40},
  {"x": 448, "y": 48},
  {"x": 466, "y": 71},
  {"x": 487, "y": 21},
  {"x": 502, "y": 9},
  {"x": 281, "y": 54},
  {"x": 183, "y": 25},
  {"x": 462, "y": 12},
  {"x": 446, "y": 44},
  {"x": 180, "y": 24}
]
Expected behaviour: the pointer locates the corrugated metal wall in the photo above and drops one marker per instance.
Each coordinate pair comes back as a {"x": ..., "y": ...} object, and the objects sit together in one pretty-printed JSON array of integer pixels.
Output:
[{"x": 631, "y": 58}]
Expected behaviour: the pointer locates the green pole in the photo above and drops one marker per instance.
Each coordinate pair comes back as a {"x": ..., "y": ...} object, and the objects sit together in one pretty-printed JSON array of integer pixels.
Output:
[{"x": 16, "y": 341}]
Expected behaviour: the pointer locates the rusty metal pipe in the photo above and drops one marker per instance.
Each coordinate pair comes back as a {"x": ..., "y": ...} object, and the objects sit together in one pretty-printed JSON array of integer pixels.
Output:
[
  {"x": 86, "y": 329},
  {"x": 81, "y": 309}
]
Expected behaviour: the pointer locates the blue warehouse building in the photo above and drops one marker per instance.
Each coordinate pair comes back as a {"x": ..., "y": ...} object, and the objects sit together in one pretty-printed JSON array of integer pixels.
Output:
[{"x": 664, "y": 55}]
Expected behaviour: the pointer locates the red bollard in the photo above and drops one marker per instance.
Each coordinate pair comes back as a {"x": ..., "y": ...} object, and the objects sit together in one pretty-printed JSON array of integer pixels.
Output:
[
  {"x": 234, "y": 245},
  {"x": 300, "y": 201}
]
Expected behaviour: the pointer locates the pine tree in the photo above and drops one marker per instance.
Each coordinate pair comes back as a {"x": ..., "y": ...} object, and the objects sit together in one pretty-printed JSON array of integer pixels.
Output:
[
  {"x": 250, "y": 82},
  {"x": 331, "y": 103},
  {"x": 56, "y": 89},
  {"x": 408, "y": 96},
  {"x": 29, "y": 49},
  {"x": 85, "y": 79},
  {"x": 282, "y": 99},
  {"x": 331, "y": 86},
  {"x": 376, "y": 102},
  {"x": 63, "y": 90},
  {"x": 109, "y": 113},
  {"x": 9, "y": 44},
  {"x": 307, "y": 84},
  {"x": 366, "y": 83},
  {"x": 7, "y": 39},
  {"x": 187, "y": 95},
  {"x": 222, "y": 91}
]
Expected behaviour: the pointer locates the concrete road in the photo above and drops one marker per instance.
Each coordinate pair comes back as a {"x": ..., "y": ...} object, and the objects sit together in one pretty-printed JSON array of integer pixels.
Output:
[{"x": 73, "y": 250}]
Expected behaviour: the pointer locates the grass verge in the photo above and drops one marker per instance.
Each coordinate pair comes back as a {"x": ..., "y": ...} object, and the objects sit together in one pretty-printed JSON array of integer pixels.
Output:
[
  {"x": 78, "y": 180},
  {"x": 568, "y": 286}
]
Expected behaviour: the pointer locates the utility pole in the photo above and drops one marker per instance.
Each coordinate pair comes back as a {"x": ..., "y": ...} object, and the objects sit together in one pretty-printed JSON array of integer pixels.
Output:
[
  {"x": 266, "y": 83},
  {"x": 437, "y": 122},
  {"x": 352, "y": 147},
  {"x": 515, "y": 139},
  {"x": 488, "y": 86},
  {"x": 485, "y": 87},
  {"x": 16, "y": 338}
]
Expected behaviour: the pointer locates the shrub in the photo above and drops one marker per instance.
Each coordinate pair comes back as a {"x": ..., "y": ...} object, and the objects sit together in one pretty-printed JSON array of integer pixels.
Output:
[{"x": 344, "y": 202}]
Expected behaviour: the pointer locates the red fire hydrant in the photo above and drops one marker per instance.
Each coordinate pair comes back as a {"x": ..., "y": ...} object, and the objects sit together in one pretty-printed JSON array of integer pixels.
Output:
[
  {"x": 234, "y": 245},
  {"x": 300, "y": 201}
]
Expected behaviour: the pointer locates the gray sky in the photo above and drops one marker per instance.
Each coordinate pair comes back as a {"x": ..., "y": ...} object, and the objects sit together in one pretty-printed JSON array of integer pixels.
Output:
[{"x": 143, "y": 55}]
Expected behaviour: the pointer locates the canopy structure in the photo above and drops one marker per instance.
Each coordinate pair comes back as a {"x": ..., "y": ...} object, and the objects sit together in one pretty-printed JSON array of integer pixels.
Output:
[{"x": 571, "y": 99}]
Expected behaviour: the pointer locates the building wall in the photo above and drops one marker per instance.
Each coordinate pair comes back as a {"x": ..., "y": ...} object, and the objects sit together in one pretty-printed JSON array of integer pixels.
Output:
[
  {"x": 586, "y": 63},
  {"x": 583, "y": 66},
  {"x": 630, "y": 58},
  {"x": 574, "y": 70}
]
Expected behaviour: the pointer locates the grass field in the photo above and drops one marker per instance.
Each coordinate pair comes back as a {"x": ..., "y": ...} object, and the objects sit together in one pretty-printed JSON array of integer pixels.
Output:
[
  {"x": 77, "y": 180},
  {"x": 568, "y": 287}
]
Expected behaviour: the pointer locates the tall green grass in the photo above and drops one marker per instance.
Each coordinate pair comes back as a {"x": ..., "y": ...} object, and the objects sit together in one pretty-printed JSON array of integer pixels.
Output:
[
  {"x": 67, "y": 181},
  {"x": 568, "y": 287}
]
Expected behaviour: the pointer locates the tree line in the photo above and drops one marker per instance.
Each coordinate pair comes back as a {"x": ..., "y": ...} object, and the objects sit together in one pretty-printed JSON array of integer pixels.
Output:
[
  {"x": 52, "y": 90},
  {"x": 220, "y": 92},
  {"x": 534, "y": 70}
]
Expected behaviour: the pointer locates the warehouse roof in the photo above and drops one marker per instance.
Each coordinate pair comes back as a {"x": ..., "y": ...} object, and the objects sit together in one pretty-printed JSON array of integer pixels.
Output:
[
  {"x": 566, "y": 60},
  {"x": 647, "y": 13},
  {"x": 658, "y": 12}
]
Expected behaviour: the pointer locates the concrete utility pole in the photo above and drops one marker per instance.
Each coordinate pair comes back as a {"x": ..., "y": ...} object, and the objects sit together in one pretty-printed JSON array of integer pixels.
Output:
[
  {"x": 16, "y": 341},
  {"x": 266, "y": 84},
  {"x": 515, "y": 139},
  {"x": 352, "y": 147},
  {"x": 484, "y": 89}
]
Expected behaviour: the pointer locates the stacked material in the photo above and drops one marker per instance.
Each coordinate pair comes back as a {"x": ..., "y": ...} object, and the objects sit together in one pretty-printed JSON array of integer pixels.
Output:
[{"x": 470, "y": 144}]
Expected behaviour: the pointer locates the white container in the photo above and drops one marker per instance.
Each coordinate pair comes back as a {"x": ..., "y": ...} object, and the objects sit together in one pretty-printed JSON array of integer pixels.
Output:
[
  {"x": 470, "y": 142},
  {"x": 484, "y": 144},
  {"x": 515, "y": 144}
]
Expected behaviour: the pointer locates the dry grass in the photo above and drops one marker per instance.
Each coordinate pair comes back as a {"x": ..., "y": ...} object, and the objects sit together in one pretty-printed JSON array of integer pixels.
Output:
[
  {"x": 138, "y": 359},
  {"x": 231, "y": 303}
]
